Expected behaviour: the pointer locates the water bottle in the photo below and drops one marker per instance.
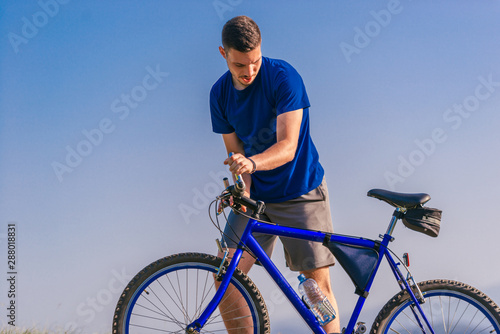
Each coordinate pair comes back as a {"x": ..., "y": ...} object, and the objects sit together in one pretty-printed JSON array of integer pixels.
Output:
[{"x": 316, "y": 300}]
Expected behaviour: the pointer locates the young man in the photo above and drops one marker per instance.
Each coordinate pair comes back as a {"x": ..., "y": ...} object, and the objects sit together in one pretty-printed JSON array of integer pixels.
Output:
[{"x": 261, "y": 108}]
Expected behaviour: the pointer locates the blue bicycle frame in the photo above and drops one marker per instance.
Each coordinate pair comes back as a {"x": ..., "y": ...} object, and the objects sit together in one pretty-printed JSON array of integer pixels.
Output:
[{"x": 249, "y": 241}]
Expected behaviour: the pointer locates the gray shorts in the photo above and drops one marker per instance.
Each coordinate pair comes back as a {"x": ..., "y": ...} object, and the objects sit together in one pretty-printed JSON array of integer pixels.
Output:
[{"x": 309, "y": 211}]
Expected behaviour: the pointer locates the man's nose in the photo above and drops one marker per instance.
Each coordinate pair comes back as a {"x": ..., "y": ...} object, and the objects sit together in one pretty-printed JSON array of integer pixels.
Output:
[{"x": 250, "y": 71}]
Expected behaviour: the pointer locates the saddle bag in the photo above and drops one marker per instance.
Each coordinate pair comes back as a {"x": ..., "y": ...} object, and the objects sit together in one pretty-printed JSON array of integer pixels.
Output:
[{"x": 424, "y": 220}]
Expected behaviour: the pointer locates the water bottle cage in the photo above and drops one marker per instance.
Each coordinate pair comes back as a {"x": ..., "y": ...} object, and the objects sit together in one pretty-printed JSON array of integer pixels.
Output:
[{"x": 304, "y": 301}]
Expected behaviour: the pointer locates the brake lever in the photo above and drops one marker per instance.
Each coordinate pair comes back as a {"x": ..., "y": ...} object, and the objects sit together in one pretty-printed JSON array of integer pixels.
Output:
[
  {"x": 226, "y": 194},
  {"x": 224, "y": 201},
  {"x": 224, "y": 204}
]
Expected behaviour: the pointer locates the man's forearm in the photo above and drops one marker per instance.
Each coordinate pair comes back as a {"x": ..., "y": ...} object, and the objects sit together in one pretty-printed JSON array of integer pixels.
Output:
[{"x": 275, "y": 156}]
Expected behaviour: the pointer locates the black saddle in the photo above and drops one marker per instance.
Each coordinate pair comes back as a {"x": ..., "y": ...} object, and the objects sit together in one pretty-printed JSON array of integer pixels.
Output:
[{"x": 400, "y": 200}]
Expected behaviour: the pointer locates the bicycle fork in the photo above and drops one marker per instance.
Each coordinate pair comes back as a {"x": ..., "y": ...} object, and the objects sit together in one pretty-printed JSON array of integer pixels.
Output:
[{"x": 197, "y": 324}]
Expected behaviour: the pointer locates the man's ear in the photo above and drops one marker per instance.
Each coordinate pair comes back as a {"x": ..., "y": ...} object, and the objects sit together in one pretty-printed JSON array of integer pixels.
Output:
[{"x": 222, "y": 52}]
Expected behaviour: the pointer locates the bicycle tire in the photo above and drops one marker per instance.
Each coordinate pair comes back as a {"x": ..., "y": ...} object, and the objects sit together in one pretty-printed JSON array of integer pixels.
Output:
[
  {"x": 170, "y": 293},
  {"x": 450, "y": 306}
]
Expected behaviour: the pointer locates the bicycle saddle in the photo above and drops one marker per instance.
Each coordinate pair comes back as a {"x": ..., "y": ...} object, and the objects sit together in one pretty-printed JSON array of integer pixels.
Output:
[{"x": 399, "y": 200}]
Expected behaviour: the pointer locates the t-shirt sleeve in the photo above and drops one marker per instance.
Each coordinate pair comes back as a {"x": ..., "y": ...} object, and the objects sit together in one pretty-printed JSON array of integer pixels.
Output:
[
  {"x": 291, "y": 92},
  {"x": 220, "y": 124}
]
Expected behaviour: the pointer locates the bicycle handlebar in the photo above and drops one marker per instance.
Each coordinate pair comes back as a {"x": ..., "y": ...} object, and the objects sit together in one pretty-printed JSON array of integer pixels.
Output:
[{"x": 238, "y": 198}]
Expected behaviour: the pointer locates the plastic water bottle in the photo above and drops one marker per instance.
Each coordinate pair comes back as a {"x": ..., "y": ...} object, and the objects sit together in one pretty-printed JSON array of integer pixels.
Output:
[{"x": 316, "y": 300}]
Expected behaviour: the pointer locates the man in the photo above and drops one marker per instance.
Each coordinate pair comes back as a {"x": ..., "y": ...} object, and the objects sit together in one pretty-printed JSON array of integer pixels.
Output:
[{"x": 261, "y": 108}]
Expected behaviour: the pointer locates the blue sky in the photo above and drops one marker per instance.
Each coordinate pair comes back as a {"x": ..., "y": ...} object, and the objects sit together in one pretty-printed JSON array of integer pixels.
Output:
[{"x": 107, "y": 159}]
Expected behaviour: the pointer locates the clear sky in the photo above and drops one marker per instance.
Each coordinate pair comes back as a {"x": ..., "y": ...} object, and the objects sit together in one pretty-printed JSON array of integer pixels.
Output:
[{"x": 108, "y": 161}]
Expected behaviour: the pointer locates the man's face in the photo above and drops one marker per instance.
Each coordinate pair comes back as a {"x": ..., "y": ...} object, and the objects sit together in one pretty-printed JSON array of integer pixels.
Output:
[{"x": 244, "y": 66}]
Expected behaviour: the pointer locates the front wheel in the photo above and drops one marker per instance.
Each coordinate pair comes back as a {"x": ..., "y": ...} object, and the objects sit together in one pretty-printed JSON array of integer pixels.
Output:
[
  {"x": 450, "y": 307},
  {"x": 172, "y": 292}
]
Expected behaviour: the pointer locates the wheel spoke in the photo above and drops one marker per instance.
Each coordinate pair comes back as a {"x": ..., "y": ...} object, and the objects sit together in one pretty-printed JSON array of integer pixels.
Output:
[
  {"x": 161, "y": 302},
  {"x": 206, "y": 293},
  {"x": 454, "y": 314},
  {"x": 442, "y": 314},
  {"x": 431, "y": 313}
]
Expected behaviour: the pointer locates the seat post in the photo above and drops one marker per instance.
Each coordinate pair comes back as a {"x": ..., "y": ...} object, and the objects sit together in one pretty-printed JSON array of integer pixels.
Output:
[{"x": 395, "y": 216}]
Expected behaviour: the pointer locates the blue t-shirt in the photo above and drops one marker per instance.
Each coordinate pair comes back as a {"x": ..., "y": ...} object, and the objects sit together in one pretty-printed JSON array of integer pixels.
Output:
[{"x": 251, "y": 113}]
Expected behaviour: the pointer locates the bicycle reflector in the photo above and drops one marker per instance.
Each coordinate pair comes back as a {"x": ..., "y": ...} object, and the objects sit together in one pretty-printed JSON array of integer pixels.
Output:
[
  {"x": 406, "y": 258},
  {"x": 424, "y": 220}
]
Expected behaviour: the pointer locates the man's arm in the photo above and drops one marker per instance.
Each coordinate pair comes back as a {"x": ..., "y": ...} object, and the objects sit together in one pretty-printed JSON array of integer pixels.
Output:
[{"x": 287, "y": 137}]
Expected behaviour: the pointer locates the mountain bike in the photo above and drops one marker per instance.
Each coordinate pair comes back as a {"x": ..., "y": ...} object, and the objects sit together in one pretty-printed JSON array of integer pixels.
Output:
[{"x": 184, "y": 293}]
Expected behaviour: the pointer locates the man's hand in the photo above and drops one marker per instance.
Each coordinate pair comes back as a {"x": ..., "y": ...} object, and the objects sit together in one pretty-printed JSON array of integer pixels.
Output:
[{"x": 238, "y": 164}]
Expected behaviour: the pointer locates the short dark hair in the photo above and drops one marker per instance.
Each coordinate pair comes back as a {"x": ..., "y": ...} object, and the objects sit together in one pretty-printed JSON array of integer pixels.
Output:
[{"x": 241, "y": 33}]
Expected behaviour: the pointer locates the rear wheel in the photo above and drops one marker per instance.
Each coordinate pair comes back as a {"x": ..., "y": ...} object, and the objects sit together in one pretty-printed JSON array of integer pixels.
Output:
[
  {"x": 450, "y": 307},
  {"x": 172, "y": 292}
]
